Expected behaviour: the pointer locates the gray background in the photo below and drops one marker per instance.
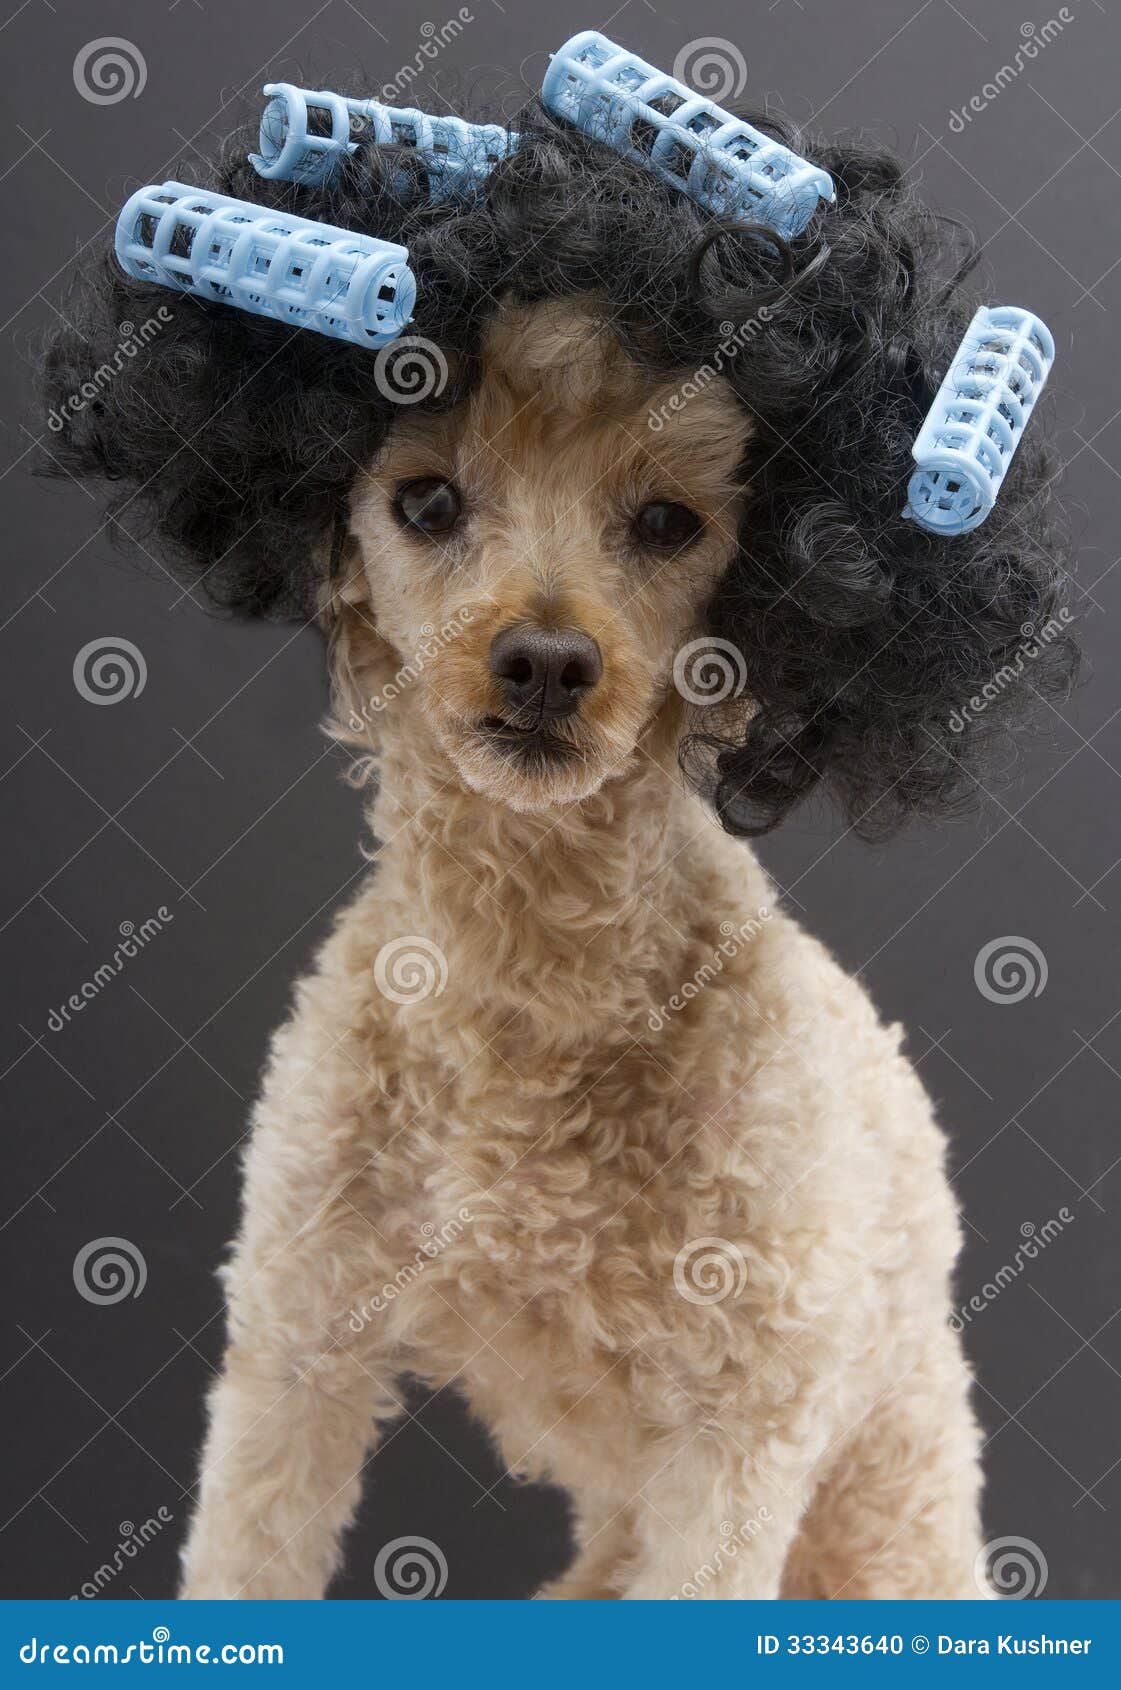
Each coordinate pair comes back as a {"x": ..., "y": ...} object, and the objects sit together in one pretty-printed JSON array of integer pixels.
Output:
[{"x": 213, "y": 793}]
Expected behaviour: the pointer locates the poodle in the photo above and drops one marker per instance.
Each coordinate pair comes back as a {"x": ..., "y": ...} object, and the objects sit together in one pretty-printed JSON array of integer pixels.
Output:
[{"x": 569, "y": 1111}]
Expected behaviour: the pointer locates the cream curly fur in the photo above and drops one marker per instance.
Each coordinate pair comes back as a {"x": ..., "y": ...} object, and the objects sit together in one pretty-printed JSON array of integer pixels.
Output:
[{"x": 692, "y": 1231}]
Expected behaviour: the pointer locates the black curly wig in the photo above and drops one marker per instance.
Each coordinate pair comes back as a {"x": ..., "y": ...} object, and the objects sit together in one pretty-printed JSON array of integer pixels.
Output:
[{"x": 237, "y": 440}]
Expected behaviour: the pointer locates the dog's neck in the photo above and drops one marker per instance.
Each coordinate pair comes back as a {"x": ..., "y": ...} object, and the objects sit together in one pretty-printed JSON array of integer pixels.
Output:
[{"x": 571, "y": 925}]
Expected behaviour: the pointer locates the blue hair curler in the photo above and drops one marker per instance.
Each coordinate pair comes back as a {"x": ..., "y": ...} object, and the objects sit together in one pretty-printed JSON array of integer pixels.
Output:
[
  {"x": 305, "y": 135},
  {"x": 309, "y": 275},
  {"x": 724, "y": 164},
  {"x": 978, "y": 418}
]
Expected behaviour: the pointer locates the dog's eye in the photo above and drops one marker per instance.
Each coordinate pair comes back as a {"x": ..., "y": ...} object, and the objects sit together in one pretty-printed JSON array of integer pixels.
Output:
[
  {"x": 664, "y": 524},
  {"x": 431, "y": 505}
]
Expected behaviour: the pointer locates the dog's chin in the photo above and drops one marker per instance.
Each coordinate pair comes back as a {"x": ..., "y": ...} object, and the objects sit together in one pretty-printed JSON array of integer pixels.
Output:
[{"x": 527, "y": 770}]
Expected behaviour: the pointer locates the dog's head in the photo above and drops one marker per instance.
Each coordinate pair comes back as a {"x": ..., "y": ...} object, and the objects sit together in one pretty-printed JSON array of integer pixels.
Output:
[
  {"x": 654, "y": 496},
  {"x": 540, "y": 555}
]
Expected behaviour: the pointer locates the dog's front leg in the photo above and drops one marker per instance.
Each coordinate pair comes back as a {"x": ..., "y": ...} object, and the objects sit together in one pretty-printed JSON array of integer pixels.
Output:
[
  {"x": 294, "y": 1412},
  {"x": 281, "y": 1475},
  {"x": 715, "y": 1526}
]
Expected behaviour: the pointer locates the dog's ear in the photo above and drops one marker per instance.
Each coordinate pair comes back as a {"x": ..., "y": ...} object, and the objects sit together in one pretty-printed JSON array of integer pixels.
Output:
[
  {"x": 361, "y": 663},
  {"x": 882, "y": 665},
  {"x": 224, "y": 442},
  {"x": 879, "y": 662}
]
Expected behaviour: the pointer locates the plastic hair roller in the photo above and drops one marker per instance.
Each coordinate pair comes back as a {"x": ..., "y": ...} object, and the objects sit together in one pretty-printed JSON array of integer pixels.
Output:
[
  {"x": 305, "y": 135},
  {"x": 724, "y": 164},
  {"x": 977, "y": 420},
  {"x": 309, "y": 275}
]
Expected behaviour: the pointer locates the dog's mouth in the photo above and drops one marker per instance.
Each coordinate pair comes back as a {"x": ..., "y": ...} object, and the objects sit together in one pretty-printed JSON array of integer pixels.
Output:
[{"x": 534, "y": 742}]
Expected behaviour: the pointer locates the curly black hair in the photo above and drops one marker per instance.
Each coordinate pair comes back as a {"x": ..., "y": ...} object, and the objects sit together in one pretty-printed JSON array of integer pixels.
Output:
[{"x": 865, "y": 638}]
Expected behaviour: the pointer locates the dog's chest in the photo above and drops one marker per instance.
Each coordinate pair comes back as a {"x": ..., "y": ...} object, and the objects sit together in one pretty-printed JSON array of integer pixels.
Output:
[{"x": 532, "y": 1207}]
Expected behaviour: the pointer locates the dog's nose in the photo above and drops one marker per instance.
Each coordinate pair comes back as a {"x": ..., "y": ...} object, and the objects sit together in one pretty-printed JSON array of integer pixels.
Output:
[{"x": 545, "y": 670}]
